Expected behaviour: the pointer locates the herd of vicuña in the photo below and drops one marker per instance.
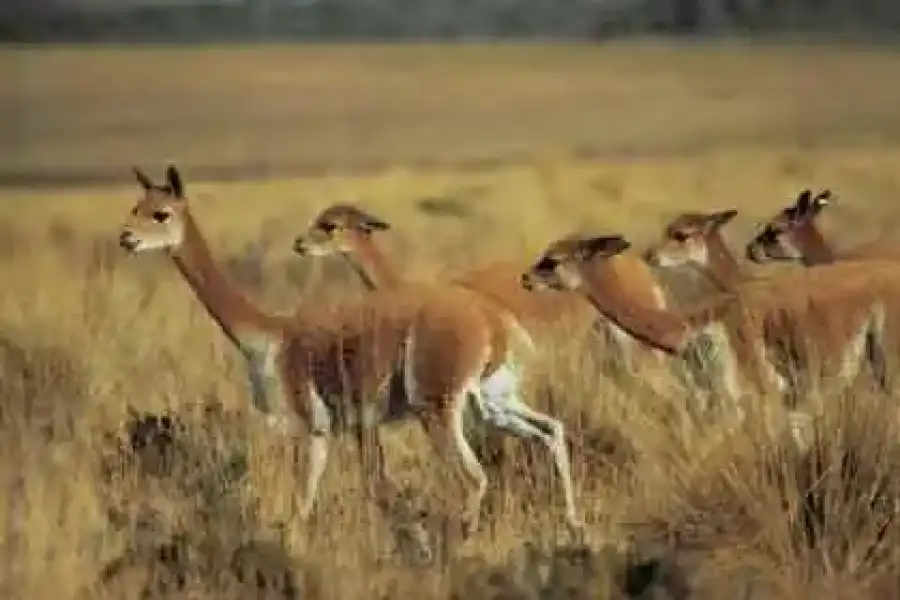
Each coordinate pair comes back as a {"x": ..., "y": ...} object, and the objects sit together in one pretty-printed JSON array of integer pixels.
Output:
[{"x": 439, "y": 351}]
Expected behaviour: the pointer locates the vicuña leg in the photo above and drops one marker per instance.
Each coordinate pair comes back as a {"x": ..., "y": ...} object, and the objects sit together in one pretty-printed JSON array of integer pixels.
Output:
[
  {"x": 445, "y": 427},
  {"x": 505, "y": 409},
  {"x": 317, "y": 451},
  {"x": 379, "y": 489},
  {"x": 372, "y": 462}
]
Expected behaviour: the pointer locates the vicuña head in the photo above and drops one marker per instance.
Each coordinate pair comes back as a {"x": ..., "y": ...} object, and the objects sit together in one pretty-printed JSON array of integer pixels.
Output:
[
  {"x": 158, "y": 219},
  {"x": 337, "y": 230},
  {"x": 792, "y": 234},
  {"x": 687, "y": 239},
  {"x": 588, "y": 265},
  {"x": 560, "y": 265}
]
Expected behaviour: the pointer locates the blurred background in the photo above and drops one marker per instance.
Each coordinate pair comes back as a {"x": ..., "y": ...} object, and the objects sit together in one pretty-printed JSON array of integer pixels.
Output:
[{"x": 159, "y": 20}]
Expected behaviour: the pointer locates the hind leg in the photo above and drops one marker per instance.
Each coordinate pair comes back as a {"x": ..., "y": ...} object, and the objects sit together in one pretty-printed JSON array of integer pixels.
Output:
[
  {"x": 505, "y": 409},
  {"x": 527, "y": 422},
  {"x": 445, "y": 427}
]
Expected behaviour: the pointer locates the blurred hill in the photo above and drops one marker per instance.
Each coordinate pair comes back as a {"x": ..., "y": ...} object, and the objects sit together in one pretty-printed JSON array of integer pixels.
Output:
[{"x": 176, "y": 20}]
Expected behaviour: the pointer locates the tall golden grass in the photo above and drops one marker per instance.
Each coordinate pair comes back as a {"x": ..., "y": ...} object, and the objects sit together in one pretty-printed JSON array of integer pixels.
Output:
[
  {"x": 104, "y": 500},
  {"x": 90, "y": 337}
]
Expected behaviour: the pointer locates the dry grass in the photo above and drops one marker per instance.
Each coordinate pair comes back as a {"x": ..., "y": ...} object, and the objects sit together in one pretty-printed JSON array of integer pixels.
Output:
[{"x": 201, "y": 507}]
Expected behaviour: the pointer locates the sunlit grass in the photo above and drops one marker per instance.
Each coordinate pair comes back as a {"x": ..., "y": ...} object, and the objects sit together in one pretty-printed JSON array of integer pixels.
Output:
[{"x": 89, "y": 335}]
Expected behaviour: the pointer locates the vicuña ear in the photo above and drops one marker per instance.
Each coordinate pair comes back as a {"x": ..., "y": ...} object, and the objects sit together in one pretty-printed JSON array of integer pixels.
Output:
[
  {"x": 607, "y": 245},
  {"x": 142, "y": 178},
  {"x": 722, "y": 218},
  {"x": 803, "y": 202},
  {"x": 371, "y": 222},
  {"x": 173, "y": 181}
]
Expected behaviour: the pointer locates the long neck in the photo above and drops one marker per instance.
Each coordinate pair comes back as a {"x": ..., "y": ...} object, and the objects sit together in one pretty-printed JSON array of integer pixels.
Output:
[
  {"x": 230, "y": 309},
  {"x": 371, "y": 264},
  {"x": 813, "y": 246},
  {"x": 658, "y": 328},
  {"x": 724, "y": 267}
]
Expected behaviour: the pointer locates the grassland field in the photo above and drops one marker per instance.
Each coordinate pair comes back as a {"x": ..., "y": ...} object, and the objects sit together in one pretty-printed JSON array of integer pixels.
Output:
[{"x": 615, "y": 138}]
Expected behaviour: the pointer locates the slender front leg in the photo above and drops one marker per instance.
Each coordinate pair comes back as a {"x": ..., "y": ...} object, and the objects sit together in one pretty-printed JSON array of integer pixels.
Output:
[
  {"x": 371, "y": 454},
  {"x": 406, "y": 525},
  {"x": 316, "y": 460},
  {"x": 317, "y": 449},
  {"x": 267, "y": 390}
]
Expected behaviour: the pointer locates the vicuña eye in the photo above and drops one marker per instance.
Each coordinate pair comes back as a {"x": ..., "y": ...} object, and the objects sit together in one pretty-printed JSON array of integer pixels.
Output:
[
  {"x": 546, "y": 263},
  {"x": 161, "y": 216},
  {"x": 680, "y": 236}
]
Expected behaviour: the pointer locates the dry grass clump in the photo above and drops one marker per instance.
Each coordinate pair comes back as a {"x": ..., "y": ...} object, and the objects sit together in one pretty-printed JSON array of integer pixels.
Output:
[
  {"x": 195, "y": 533},
  {"x": 764, "y": 520}
]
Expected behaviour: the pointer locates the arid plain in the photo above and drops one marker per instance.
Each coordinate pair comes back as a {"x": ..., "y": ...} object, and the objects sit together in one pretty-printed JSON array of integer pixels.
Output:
[{"x": 472, "y": 153}]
